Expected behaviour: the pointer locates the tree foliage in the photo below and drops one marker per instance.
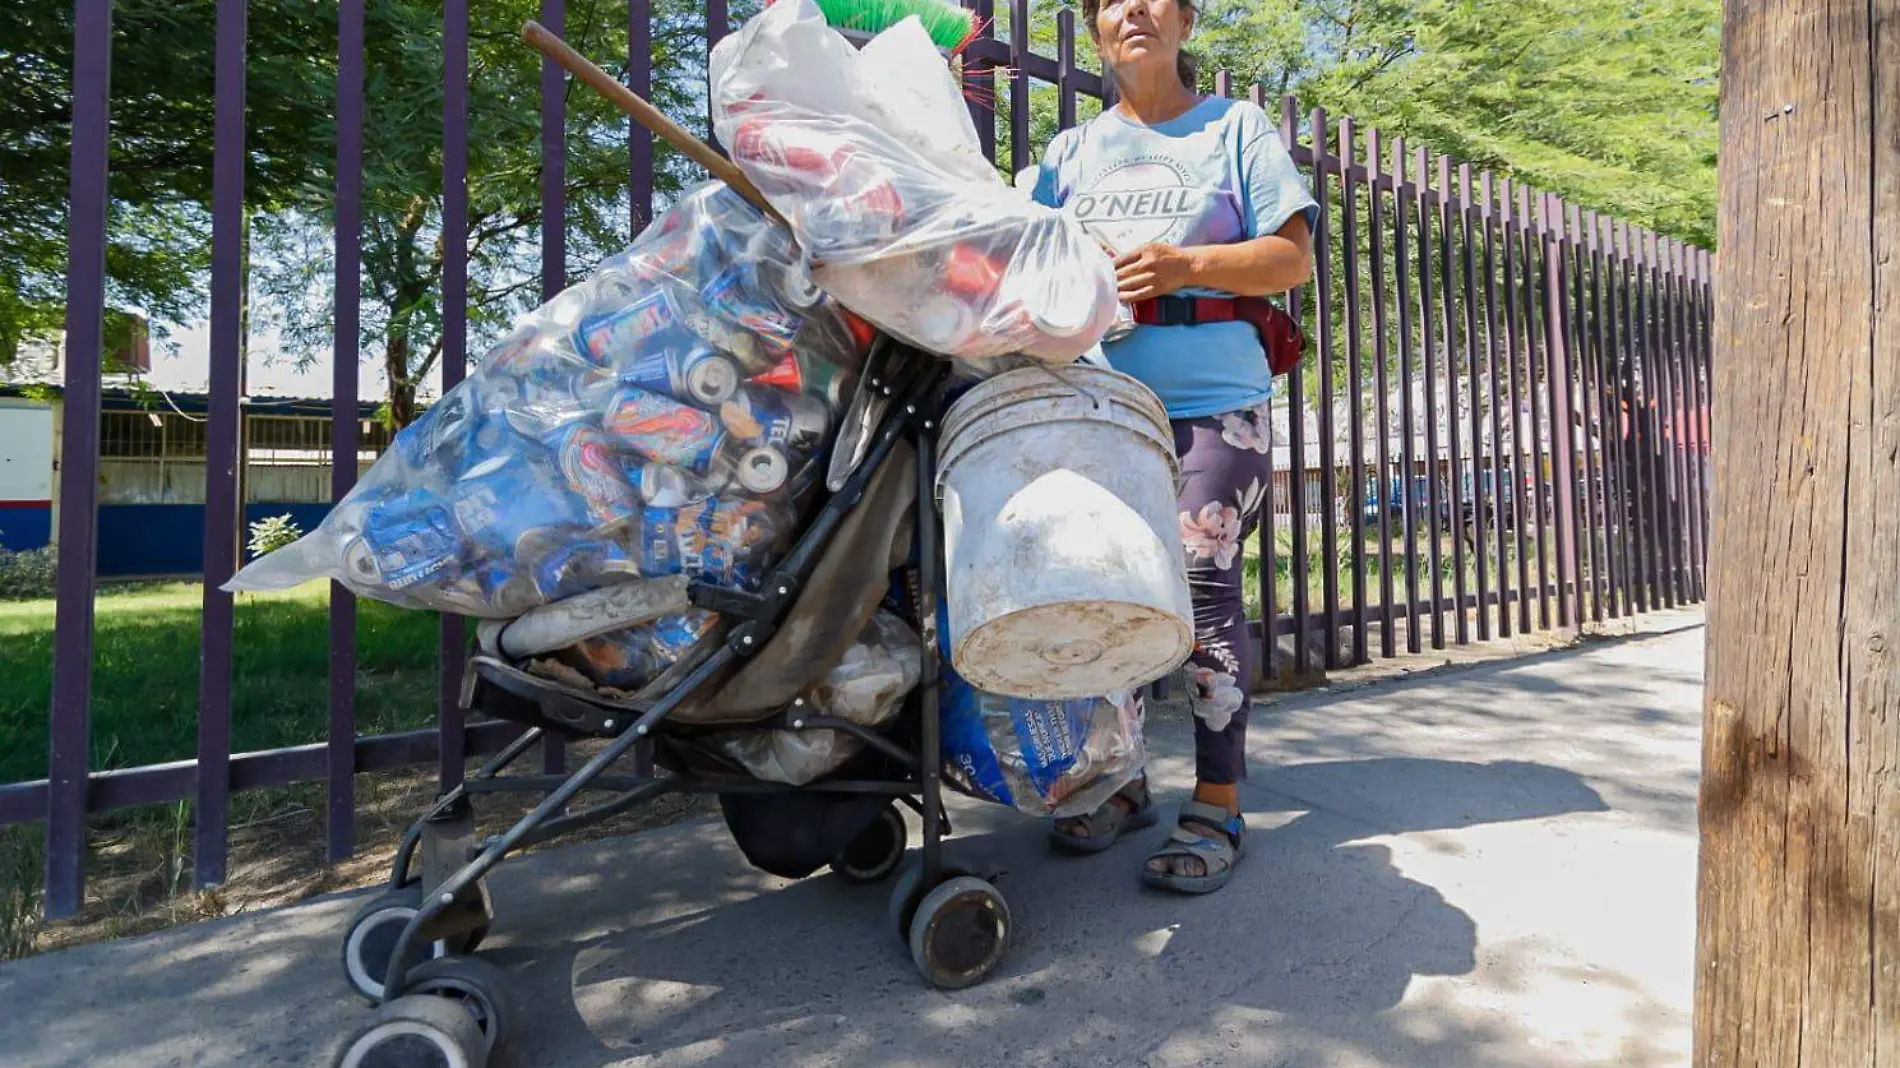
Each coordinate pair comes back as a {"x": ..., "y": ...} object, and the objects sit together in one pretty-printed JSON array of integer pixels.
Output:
[
  {"x": 1608, "y": 103},
  {"x": 402, "y": 250},
  {"x": 162, "y": 106},
  {"x": 159, "y": 154}
]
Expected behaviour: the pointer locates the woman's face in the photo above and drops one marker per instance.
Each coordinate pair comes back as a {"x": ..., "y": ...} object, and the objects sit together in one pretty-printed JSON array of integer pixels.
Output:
[{"x": 1134, "y": 34}]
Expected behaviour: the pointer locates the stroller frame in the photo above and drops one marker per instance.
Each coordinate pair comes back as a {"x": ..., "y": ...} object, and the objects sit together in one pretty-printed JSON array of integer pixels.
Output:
[{"x": 956, "y": 925}]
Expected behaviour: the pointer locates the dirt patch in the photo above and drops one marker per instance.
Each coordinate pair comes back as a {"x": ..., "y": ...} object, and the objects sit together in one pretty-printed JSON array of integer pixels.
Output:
[{"x": 139, "y": 865}]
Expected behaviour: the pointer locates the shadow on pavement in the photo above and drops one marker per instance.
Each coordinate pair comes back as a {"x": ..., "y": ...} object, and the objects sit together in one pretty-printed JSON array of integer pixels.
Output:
[{"x": 1300, "y": 960}]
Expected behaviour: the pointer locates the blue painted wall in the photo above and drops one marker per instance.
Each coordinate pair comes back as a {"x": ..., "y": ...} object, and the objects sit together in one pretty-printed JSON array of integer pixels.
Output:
[
  {"x": 168, "y": 539},
  {"x": 24, "y": 527}
]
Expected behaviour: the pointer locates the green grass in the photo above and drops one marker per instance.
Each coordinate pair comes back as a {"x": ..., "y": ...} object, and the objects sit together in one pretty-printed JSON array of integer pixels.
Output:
[
  {"x": 146, "y": 666},
  {"x": 1343, "y": 567}
]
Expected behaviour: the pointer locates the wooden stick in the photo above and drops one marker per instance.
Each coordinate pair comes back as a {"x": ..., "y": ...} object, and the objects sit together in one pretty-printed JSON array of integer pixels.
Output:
[{"x": 645, "y": 114}]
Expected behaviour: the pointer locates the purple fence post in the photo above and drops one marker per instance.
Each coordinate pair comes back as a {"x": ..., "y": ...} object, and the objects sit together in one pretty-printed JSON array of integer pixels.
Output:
[
  {"x": 340, "y": 801},
  {"x": 1678, "y": 471},
  {"x": 1641, "y": 390},
  {"x": 1019, "y": 146},
  {"x": 1299, "y": 571},
  {"x": 554, "y": 210},
  {"x": 1579, "y": 266},
  {"x": 1355, "y": 387},
  {"x": 1648, "y": 394},
  {"x": 1557, "y": 399},
  {"x": 718, "y": 25},
  {"x": 68, "y": 757},
  {"x": 1692, "y": 415},
  {"x": 223, "y": 510},
  {"x": 1323, "y": 163},
  {"x": 979, "y": 75},
  {"x": 639, "y": 139},
  {"x": 1680, "y": 369},
  {"x": 1517, "y": 328},
  {"x": 1455, "y": 512},
  {"x": 1605, "y": 477},
  {"x": 1269, "y": 526},
  {"x": 1622, "y": 429},
  {"x": 1533, "y": 229},
  {"x": 1428, "y": 315},
  {"x": 1656, "y": 372},
  {"x": 1642, "y": 308},
  {"x": 1065, "y": 68},
  {"x": 1383, "y": 402},
  {"x": 1646, "y": 596},
  {"x": 1662, "y": 361},
  {"x": 1481, "y": 505},
  {"x": 1677, "y": 420},
  {"x": 1706, "y": 266},
  {"x": 1500, "y": 481},
  {"x": 1408, "y": 497},
  {"x": 454, "y": 635}
]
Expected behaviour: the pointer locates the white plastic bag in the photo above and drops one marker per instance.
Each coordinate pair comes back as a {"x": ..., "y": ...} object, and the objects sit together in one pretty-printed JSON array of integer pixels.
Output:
[{"x": 873, "y": 160}]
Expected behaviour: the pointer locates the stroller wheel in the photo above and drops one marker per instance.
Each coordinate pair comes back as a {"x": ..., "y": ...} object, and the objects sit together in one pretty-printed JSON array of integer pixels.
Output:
[
  {"x": 908, "y": 892},
  {"x": 877, "y": 852},
  {"x": 960, "y": 933},
  {"x": 482, "y": 990},
  {"x": 415, "y": 1032},
  {"x": 372, "y": 935}
]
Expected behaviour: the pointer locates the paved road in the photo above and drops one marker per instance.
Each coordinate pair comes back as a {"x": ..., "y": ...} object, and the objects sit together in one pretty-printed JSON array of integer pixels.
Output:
[{"x": 1492, "y": 868}]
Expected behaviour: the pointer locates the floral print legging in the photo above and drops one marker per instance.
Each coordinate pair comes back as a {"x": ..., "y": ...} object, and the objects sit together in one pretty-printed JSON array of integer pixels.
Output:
[{"x": 1226, "y": 469}]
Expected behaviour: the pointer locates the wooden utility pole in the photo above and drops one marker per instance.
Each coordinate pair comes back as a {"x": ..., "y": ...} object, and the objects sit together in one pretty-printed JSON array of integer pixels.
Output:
[{"x": 1798, "y": 940}]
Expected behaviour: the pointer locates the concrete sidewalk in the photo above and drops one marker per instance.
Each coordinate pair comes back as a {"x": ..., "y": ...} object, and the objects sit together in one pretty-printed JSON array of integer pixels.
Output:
[{"x": 1488, "y": 868}]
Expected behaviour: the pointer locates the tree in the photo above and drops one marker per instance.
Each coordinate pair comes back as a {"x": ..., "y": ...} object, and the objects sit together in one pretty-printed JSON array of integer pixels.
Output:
[
  {"x": 1798, "y": 908},
  {"x": 162, "y": 146},
  {"x": 159, "y": 229},
  {"x": 403, "y": 256},
  {"x": 1610, "y": 108}
]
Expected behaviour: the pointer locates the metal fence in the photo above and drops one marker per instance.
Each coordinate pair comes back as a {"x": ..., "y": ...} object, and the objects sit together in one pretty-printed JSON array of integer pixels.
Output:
[{"x": 1473, "y": 335}]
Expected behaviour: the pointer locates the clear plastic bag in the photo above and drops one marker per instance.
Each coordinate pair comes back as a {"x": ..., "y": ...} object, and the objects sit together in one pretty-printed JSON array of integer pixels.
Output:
[
  {"x": 667, "y": 415},
  {"x": 1045, "y": 758},
  {"x": 867, "y": 687},
  {"x": 872, "y": 158}
]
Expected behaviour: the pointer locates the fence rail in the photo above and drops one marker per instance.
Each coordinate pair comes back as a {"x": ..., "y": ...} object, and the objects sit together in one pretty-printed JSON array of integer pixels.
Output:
[{"x": 1533, "y": 350}]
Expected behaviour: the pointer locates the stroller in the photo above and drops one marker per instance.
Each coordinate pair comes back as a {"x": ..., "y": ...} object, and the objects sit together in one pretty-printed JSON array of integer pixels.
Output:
[{"x": 408, "y": 949}]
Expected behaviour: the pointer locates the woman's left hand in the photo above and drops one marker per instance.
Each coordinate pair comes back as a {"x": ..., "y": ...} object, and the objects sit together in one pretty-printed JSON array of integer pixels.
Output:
[{"x": 1152, "y": 271}]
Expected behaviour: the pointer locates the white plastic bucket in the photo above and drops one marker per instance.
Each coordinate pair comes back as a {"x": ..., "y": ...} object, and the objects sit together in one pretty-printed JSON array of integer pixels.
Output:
[{"x": 1065, "y": 573}]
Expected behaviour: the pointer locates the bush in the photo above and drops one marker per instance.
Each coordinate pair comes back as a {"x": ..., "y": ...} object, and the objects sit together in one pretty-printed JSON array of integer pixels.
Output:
[
  {"x": 28, "y": 575},
  {"x": 270, "y": 535}
]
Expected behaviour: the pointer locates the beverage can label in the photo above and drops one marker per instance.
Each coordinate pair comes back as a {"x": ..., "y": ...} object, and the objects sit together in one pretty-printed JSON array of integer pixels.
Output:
[
  {"x": 619, "y": 336},
  {"x": 663, "y": 430}
]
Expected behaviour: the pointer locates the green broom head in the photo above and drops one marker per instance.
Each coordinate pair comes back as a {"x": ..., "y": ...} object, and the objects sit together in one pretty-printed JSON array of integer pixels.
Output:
[{"x": 950, "y": 27}]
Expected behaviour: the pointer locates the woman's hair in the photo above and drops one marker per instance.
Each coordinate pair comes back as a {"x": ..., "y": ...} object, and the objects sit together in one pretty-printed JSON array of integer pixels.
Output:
[{"x": 1187, "y": 66}]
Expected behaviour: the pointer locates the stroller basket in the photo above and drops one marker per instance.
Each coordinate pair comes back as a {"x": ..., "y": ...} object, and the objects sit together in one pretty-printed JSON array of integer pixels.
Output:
[{"x": 410, "y": 945}]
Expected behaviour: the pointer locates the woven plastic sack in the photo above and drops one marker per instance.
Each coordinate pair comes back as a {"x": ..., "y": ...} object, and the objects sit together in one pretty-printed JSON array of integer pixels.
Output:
[
  {"x": 872, "y": 158},
  {"x": 666, "y": 416}
]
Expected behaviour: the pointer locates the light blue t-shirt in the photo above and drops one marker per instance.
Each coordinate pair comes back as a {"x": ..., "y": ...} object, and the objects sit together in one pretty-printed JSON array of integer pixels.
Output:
[{"x": 1216, "y": 175}]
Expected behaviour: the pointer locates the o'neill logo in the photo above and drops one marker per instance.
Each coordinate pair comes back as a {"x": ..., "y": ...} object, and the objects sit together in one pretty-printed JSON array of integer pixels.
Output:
[{"x": 1138, "y": 203}]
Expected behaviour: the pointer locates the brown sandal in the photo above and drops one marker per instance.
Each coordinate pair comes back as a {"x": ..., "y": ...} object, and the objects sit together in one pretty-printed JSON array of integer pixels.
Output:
[{"x": 1108, "y": 822}]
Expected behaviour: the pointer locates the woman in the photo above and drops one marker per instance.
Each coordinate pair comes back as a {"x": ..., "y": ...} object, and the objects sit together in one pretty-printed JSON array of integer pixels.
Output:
[{"x": 1195, "y": 197}]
